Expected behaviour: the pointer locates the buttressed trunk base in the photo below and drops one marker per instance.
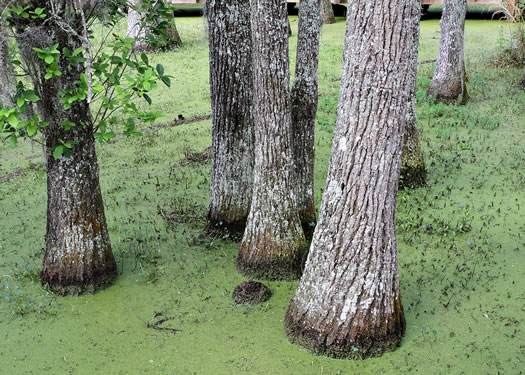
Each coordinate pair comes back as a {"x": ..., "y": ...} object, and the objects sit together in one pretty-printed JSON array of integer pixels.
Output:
[{"x": 369, "y": 338}]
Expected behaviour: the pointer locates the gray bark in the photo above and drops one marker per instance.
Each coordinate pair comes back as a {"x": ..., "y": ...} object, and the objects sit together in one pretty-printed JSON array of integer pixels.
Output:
[
  {"x": 449, "y": 81},
  {"x": 413, "y": 173},
  {"x": 348, "y": 303},
  {"x": 139, "y": 31},
  {"x": 7, "y": 74},
  {"x": 231, "y": 89},
  {"x": 327, "y": 12},
  {"x": 304, "y": 109},
  {"x": 78, "y": 257},
  {"x": 273, "y": 242}
]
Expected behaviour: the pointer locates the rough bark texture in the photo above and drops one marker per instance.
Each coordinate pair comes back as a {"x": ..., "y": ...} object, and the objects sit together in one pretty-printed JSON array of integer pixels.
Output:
[
  {"x": 327, "y": 12},
  {"x": 7, "y": 74},
  {"x": 231, "y": 90},
  {"x": 304, "y": 109},
  {"x": 348, "y": 303},
  {"x": 78, "y": 257},
  {"x": 273, "y": 242},
  {"x": 449, "y": 81},
  {"x": 138, "y": 31},
  {"x": 413, "y": 173}
]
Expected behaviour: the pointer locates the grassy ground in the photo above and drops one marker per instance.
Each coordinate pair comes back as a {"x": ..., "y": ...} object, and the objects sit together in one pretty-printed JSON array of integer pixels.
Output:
[{"x": 461, "y": 244}]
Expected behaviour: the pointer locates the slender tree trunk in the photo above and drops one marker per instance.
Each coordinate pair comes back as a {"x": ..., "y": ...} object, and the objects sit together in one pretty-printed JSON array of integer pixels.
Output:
[
  {"x": 413, "y": 173},
  {"x": 348, "y": 303},
  {"x": 7, "y": 74},
  {"x": 449, "y": 81},
  {"x": 231, "y": 90},
  {"x": 304, "y": 109},
  {"x": 78, "y": 257},
  {"x": 327, "y": 12},
  {"x": 522, "y": 83},
  {"x": 273, "y": 242}
]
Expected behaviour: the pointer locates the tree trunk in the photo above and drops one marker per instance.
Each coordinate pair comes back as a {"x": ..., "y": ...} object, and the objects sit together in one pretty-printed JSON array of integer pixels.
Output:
[
  {"x": 348, "y": 303},
  {"x": 449, "y": 81},
  {"x": 327, "y": 12},
  {"x": 231, "y": 89},
  {"x": 78, "y": 257},
  {"x": 138, "y": 30},
  {"x": 304, "y": 109},
  {"x": 413, "y": 173},
  {"x": 7, "y": 74},
  {"x": 522, "y": 83},
  {"x": 273, "y": 242}
]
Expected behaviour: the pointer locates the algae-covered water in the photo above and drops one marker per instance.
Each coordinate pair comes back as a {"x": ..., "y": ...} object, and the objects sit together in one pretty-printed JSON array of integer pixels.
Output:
[{"x": 461, "y": 241}]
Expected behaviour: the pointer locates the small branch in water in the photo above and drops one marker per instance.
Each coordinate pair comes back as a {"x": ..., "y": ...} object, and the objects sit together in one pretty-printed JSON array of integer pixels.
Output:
[{"x": 156, "y": 324}]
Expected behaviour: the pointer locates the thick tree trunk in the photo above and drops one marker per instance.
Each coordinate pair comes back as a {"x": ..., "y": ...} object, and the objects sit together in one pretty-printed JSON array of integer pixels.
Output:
[
  {"x": 78, "y": 257},
  {"x": 413, "y": 173},
  {"x": 327, "y": 12},
  {"x": 231, "y": 90},
  {"x": 273, "y": 242},
  {"x": 348, "y": 303},
  {"x": 304, "y": 109},
  {"x": 7, "y": 74},
  {"x": 449, "y": 81}
]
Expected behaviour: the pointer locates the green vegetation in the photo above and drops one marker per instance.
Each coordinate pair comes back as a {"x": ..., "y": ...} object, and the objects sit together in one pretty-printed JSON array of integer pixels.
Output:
[{"x": 461, "y": 240}]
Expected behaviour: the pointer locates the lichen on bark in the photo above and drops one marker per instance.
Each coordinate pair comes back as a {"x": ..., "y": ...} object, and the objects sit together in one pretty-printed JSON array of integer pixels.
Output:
[
  {"x": 273, "y": 242},
  {"x": 449, "y": 80},
  {"x": 348, "y": 303}
]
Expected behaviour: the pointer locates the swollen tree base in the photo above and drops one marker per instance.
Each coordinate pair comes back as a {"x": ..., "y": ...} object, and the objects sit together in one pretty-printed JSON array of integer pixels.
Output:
[
  {"x": 413, "y": 176},
  {"x": 64, "y": 283},
  {"x": 357, "y": 343},
  {"x": 284, "y": 268},
  {"x": 220, "y": 226}
]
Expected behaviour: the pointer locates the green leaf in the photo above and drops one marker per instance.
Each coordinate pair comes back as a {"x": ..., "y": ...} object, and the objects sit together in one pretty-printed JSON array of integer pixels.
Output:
[
  {"x": 59, "y": 150},
  {"x": 49, "y": 59},
  {"x": 144, "y": 58},
  {"x": 48, "y": 76},
  {"x": 12, "y": 141},
  {"x": 31, "y": 96},
  {"x": 148, "y": 99},
  {"x": 20, "y": 101},
  {"x": 160, "y": 70},
  {"x": 166, "y": 81},
  {"x": 31, "y": 129},
  {"x": 13, "y": 119}
]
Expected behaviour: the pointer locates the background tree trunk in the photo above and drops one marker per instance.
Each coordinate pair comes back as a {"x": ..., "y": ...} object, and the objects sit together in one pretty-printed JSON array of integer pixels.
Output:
[
  {"x": 7, "y": 74},
  {"x": 78, "y": 257},
  {"x": 523, "y": 81},
  {"x": 273, "y": 242},
  {"x": 139, "y": 31},
  {"x": 413, "y": 173},
  {"x": 304, "y": 109},
  {"x": 231, "y": 90},
  {"x": 327, "y": 12},
  {"x": 449, "y": 81},
  {"x": 348, "y": 303}
]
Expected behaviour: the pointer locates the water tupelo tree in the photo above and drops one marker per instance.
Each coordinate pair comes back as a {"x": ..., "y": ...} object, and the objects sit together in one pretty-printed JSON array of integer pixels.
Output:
[
  {"x": 274, "y": 241},
  {"x": 449, "y": 80},
  {"x": 231, "y": 89},
  {"x": 54, "y": 50},
  {"x": 348, "y": 303}
]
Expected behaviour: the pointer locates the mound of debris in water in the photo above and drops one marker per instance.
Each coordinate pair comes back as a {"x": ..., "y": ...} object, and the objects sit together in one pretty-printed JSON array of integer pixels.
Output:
[{"x": 251, "y": 292}]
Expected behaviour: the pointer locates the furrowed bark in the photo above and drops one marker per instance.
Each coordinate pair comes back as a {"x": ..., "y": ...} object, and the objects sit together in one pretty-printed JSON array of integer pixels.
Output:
[
  {"x": 449, "y": 81},
  {"x": 7, "y": 74},
  {"x": 231, "y": 89},
  {"x": 78, "y": 257},
  {"x": 327, "y": 12},
  {"x": 413, "y": 172},
  {"x": 273, "y": 243},
  {"x": 304, "y": 109},
  {"x": 348, "y": 304}
]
